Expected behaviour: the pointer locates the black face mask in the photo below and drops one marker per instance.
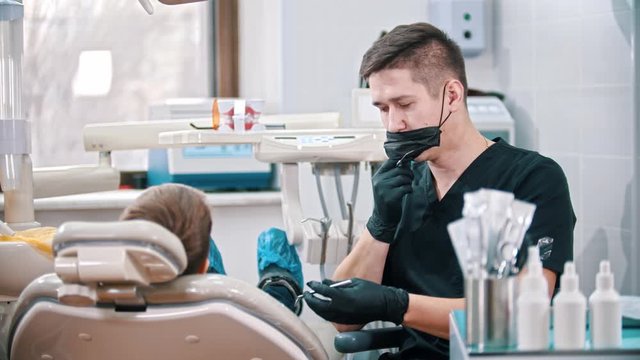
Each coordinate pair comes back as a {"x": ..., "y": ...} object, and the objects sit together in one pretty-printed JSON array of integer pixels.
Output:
[{"x": 406, "y": 146}]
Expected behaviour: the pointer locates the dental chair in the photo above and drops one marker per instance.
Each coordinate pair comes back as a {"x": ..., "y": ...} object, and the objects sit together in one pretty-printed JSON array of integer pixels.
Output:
[{"x": 117, "y": 294}]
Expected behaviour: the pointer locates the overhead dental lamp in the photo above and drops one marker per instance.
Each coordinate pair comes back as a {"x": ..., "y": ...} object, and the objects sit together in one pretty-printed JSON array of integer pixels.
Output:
[{"x": 146, "y": 4}]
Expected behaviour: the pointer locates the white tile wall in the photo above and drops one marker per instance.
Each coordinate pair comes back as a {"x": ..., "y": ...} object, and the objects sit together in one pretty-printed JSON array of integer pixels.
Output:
[
  {"x": 515, "y": 54},
  {"x": 557, "y": 52},
  {"x": 558, "y": 110},
  {"x": 515, "y": 12},
  {"x": 521, "y": 104},
  {"x": 549, "y": 11},
  {"x": 567, "y": 70},
  {"x": 323, "y": 44},
  {"x": 605, "y": 6},
  {"x": 607, "y": 121},
  {"x": 606, "y": 191},
  {"x": 606, "y": 54}
]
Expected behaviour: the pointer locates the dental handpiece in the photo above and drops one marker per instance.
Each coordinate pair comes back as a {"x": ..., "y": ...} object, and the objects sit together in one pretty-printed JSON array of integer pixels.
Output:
[{"x": 337, "y": 284}]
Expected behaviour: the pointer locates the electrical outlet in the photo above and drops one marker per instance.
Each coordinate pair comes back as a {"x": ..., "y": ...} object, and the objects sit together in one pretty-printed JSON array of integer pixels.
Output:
[{"x": 463, "y": 21}]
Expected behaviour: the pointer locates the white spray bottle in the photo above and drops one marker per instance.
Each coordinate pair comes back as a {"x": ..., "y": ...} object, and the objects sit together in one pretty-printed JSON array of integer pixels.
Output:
[
  {"x": 606, "y": 316},
  {"x": 533, "y": 306},
  {"x": 569, "y": 312}
]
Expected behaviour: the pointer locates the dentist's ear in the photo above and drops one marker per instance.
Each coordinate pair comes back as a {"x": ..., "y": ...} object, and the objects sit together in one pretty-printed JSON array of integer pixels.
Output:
[{"x": 454, "y": 95}]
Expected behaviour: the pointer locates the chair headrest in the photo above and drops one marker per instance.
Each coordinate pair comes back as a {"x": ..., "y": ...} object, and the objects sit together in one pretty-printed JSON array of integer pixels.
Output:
[{"x": 110, "y": 254}]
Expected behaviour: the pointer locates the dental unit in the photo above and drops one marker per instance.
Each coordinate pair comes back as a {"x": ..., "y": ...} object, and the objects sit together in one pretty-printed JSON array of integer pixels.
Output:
[{"x": 333, "y": 151}]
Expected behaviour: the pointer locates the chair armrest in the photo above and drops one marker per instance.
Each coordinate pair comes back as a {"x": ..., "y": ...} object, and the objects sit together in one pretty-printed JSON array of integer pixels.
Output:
[{"x": 372, "y": 339}]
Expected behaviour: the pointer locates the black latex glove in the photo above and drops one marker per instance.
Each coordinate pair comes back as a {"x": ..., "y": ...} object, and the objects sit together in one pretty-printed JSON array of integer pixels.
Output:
[
  {"x": 360, "y": 302},
  {"x": 390, "y": 185}
]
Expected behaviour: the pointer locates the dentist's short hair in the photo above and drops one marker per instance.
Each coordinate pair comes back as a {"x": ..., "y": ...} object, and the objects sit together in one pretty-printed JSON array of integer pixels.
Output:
[
  {"x": 422, "y": 48},
  {"x": 183, "y": 211}
]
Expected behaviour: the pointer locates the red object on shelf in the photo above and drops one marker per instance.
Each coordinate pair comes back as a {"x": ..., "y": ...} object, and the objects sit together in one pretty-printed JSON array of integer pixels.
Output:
[{"x": 248, "y": 110}]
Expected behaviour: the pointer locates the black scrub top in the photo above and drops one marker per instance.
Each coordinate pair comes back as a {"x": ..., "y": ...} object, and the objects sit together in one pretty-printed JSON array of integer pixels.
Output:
[{"x": 422, "y": 260}]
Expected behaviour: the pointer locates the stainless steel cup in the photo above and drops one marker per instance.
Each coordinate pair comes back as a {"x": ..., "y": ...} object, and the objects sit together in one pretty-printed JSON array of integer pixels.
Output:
[{"x": 490, "y": 312}]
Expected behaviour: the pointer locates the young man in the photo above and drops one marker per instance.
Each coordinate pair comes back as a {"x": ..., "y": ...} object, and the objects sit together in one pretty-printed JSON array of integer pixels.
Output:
[
  {"x": 183, "y": 211},
  {"x": 417, "y": 79}
]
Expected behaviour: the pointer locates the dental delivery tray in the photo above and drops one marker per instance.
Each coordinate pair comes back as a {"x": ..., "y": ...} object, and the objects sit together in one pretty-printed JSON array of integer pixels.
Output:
[{"x": 292, "y": 146}]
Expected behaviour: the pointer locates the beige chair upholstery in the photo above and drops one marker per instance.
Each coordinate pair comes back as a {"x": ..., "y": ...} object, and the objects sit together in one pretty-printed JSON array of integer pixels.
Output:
[{"x": 189, "y": 317}]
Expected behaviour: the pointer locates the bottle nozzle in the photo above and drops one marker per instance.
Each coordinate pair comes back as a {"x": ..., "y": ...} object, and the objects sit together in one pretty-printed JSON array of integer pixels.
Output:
[
  {"x": 534, "y": 265},
  {"x": 569, "y": 278},
  {"x": 604, "y": 278},
  {"x": 569, "y": 268},
  {"x": 533, "y": 253},
  {"x": 534, "y": 281}
]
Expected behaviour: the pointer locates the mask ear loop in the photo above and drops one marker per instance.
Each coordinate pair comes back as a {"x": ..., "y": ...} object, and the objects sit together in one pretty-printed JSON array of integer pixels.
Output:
[{"x": 444, "y": 92}]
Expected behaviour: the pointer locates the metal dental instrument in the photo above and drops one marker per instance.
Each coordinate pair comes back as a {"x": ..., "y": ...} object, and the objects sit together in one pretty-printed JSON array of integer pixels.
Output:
[
  {"x": 147, "y": 6},
  {"x": 338, "y": 284},
  {"x": 404, "y": 158}
]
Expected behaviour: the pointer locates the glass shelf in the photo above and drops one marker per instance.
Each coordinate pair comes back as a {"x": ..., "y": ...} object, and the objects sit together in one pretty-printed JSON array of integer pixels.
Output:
[{"x": 630, "y": 348}]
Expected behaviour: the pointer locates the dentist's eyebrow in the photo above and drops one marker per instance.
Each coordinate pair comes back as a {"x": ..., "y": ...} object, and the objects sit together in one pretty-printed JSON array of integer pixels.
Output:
[{"x": 393, "y": 100}]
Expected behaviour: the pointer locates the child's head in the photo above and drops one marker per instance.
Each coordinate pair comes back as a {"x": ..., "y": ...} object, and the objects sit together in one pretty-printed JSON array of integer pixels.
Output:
[{"x": 183, "y": 211}]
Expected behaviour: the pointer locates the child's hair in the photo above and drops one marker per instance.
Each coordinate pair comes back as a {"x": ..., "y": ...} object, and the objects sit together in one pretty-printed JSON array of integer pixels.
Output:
[{"x": 183, "y": 211}]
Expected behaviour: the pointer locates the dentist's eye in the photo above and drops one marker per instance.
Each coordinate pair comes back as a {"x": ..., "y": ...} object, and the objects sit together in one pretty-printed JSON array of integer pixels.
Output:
[{"x": 404, "y": 106}]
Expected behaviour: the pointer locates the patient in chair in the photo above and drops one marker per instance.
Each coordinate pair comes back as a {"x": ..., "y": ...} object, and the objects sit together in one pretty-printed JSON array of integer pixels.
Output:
[{"x": 183, "y": 211}]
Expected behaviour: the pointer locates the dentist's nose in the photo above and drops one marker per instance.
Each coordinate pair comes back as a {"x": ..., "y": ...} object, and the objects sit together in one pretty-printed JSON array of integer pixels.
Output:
[{"x": 396, "y": 120}]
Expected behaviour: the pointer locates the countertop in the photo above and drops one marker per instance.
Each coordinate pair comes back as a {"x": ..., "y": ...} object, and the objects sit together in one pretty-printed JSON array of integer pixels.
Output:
[{"x": 119, "y": 199}]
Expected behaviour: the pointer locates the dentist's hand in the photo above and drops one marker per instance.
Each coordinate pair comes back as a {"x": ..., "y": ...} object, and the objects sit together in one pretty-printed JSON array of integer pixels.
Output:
[
  {"x": 360, "y": 302},
  {"x": 390, "y": 185}
]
